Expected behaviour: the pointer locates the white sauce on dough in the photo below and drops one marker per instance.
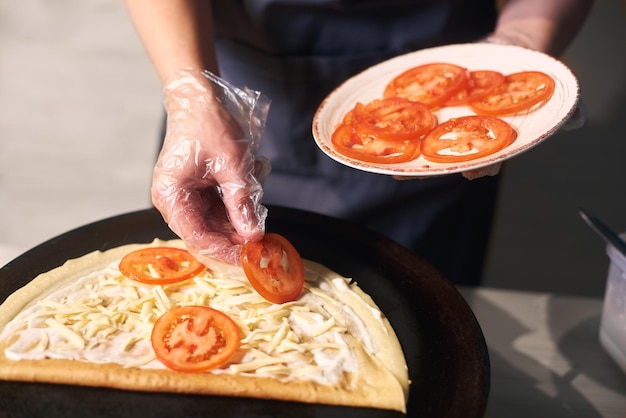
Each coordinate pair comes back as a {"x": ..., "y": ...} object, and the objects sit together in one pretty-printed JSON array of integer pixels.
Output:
[{"x": 107, "y": 318}]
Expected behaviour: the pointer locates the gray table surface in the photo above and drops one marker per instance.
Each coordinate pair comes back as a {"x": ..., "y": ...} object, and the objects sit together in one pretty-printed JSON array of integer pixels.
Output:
[{"x": 546, "y": 358}]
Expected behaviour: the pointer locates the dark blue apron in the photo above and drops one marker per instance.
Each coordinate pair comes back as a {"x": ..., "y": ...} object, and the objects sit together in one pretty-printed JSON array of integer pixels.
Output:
[{"x": 296, "y": 52}]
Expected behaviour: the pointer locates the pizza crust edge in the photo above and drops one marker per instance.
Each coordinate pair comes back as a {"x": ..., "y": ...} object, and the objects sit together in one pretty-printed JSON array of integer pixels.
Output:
[{"x": 382, "y": 380}]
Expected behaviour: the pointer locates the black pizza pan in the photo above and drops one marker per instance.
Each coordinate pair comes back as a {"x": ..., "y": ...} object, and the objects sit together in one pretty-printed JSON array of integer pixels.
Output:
[{"x": 442, "y": 340}]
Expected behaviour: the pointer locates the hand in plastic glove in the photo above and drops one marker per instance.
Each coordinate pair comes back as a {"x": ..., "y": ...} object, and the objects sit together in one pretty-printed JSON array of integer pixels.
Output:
[{"x": 207, "y": 182}]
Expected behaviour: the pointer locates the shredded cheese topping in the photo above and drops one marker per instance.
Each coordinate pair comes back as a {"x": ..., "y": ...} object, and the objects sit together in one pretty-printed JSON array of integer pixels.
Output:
[{"x": 107, "y": 318}]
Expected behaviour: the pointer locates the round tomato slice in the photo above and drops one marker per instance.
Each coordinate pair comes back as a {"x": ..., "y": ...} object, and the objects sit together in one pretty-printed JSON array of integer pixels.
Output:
[
  {"x": 431, "y": 84},
  {"x": 520, "y": 92},
  {"x": 194, "y": 338},
  {"x": 160, "y": 265},
  {"x": 366, "y": 147},
  {"x": 467, "y": 138},
  {"x": 393, "y": 119},
  {"x": 274, "y": 268},
  {"x": 480, "y": 83}
]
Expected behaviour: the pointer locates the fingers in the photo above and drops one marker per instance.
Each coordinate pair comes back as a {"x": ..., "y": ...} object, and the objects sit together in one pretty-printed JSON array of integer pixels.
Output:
[
  {"x": 207, "y": 182},
  {"x": 490, "y": 170},
  {"x": 241, "y": 191},
  {"x": 242, "y": 202},
  {"x": 577, "y": 120},
  {"x": 214, "y": 213},
  {"x": 199, "y": 218}
]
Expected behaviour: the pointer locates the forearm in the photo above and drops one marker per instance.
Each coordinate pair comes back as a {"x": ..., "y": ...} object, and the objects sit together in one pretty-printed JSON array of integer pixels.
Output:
[
  {"x": 177, "y": 34},
  {"x": 544, "y": 25}
]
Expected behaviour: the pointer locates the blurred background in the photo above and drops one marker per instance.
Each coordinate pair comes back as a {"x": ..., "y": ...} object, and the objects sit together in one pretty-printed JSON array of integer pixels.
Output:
[{"x": 80, "y": 107}]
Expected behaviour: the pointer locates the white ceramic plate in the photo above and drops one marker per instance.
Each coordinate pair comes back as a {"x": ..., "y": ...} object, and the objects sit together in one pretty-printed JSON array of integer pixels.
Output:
[{"x": 532, "y": 128}]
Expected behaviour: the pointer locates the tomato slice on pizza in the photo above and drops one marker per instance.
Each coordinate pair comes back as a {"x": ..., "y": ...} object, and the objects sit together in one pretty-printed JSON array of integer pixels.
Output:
[
  {"x": 466, "y": 138},
  {"x": 431, "y": 84},
  {"x": 161, "y": 265},
  {"x": 520, "y": 92},
  {"x": 274, "y": 268},
  {"x": 194, "y": 338}
]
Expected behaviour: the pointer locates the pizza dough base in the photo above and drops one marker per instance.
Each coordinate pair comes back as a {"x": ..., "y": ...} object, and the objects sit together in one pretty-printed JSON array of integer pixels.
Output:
[{"x": 382, "y": 380}]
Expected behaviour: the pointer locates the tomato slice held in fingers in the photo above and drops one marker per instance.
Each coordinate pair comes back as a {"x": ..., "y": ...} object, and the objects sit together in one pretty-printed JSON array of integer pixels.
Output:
[
  {"x": 520, "y": 92},
  {"x": 480, "y": 83},
  {"x": 393, "y": 119},
  {"x": 274, "y": 268},
  {"x": 467, "y": 138},
  {"x": 194, "y": 338},
  {"x": 431, "y": 84},
  {"x": 160, "y": 265}
]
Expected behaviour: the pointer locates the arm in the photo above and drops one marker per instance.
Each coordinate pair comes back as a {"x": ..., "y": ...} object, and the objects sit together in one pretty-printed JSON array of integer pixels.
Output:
[
  {"x": 543, "y": 25},
  {"x": 177, "y": 34},
  {"x": 206, "y": 181}
]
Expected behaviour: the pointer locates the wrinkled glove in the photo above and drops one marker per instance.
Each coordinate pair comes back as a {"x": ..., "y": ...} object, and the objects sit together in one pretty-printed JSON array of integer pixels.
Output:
[{"x": 207, "y": 181}]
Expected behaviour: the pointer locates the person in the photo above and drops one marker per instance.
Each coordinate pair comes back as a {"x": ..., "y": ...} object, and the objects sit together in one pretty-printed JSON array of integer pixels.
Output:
[{"x": 210, "y": 183}]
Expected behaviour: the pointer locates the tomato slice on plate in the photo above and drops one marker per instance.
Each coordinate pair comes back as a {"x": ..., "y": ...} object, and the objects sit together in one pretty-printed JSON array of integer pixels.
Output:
[
  {"x": 274, "y": 268},
  {"x": 194, "y": 338},
  {"x": 160, "y": 265},
  {"x": 467, "y": 138},
  {"x": 366, "y": 146},
  {"x": 520, "y": 92},
  {"x": 480, "y": 83},
  {"x": 431, "y": 84},
  {"x": 393, "y": 119}
]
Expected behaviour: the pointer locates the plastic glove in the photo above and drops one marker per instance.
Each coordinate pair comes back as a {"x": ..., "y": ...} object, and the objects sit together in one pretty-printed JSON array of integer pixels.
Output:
[{"x": 207, "y": 181}]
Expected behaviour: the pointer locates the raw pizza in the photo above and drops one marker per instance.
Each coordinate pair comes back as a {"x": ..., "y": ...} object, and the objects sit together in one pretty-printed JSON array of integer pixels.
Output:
[{"x": 86, "y": 323}]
